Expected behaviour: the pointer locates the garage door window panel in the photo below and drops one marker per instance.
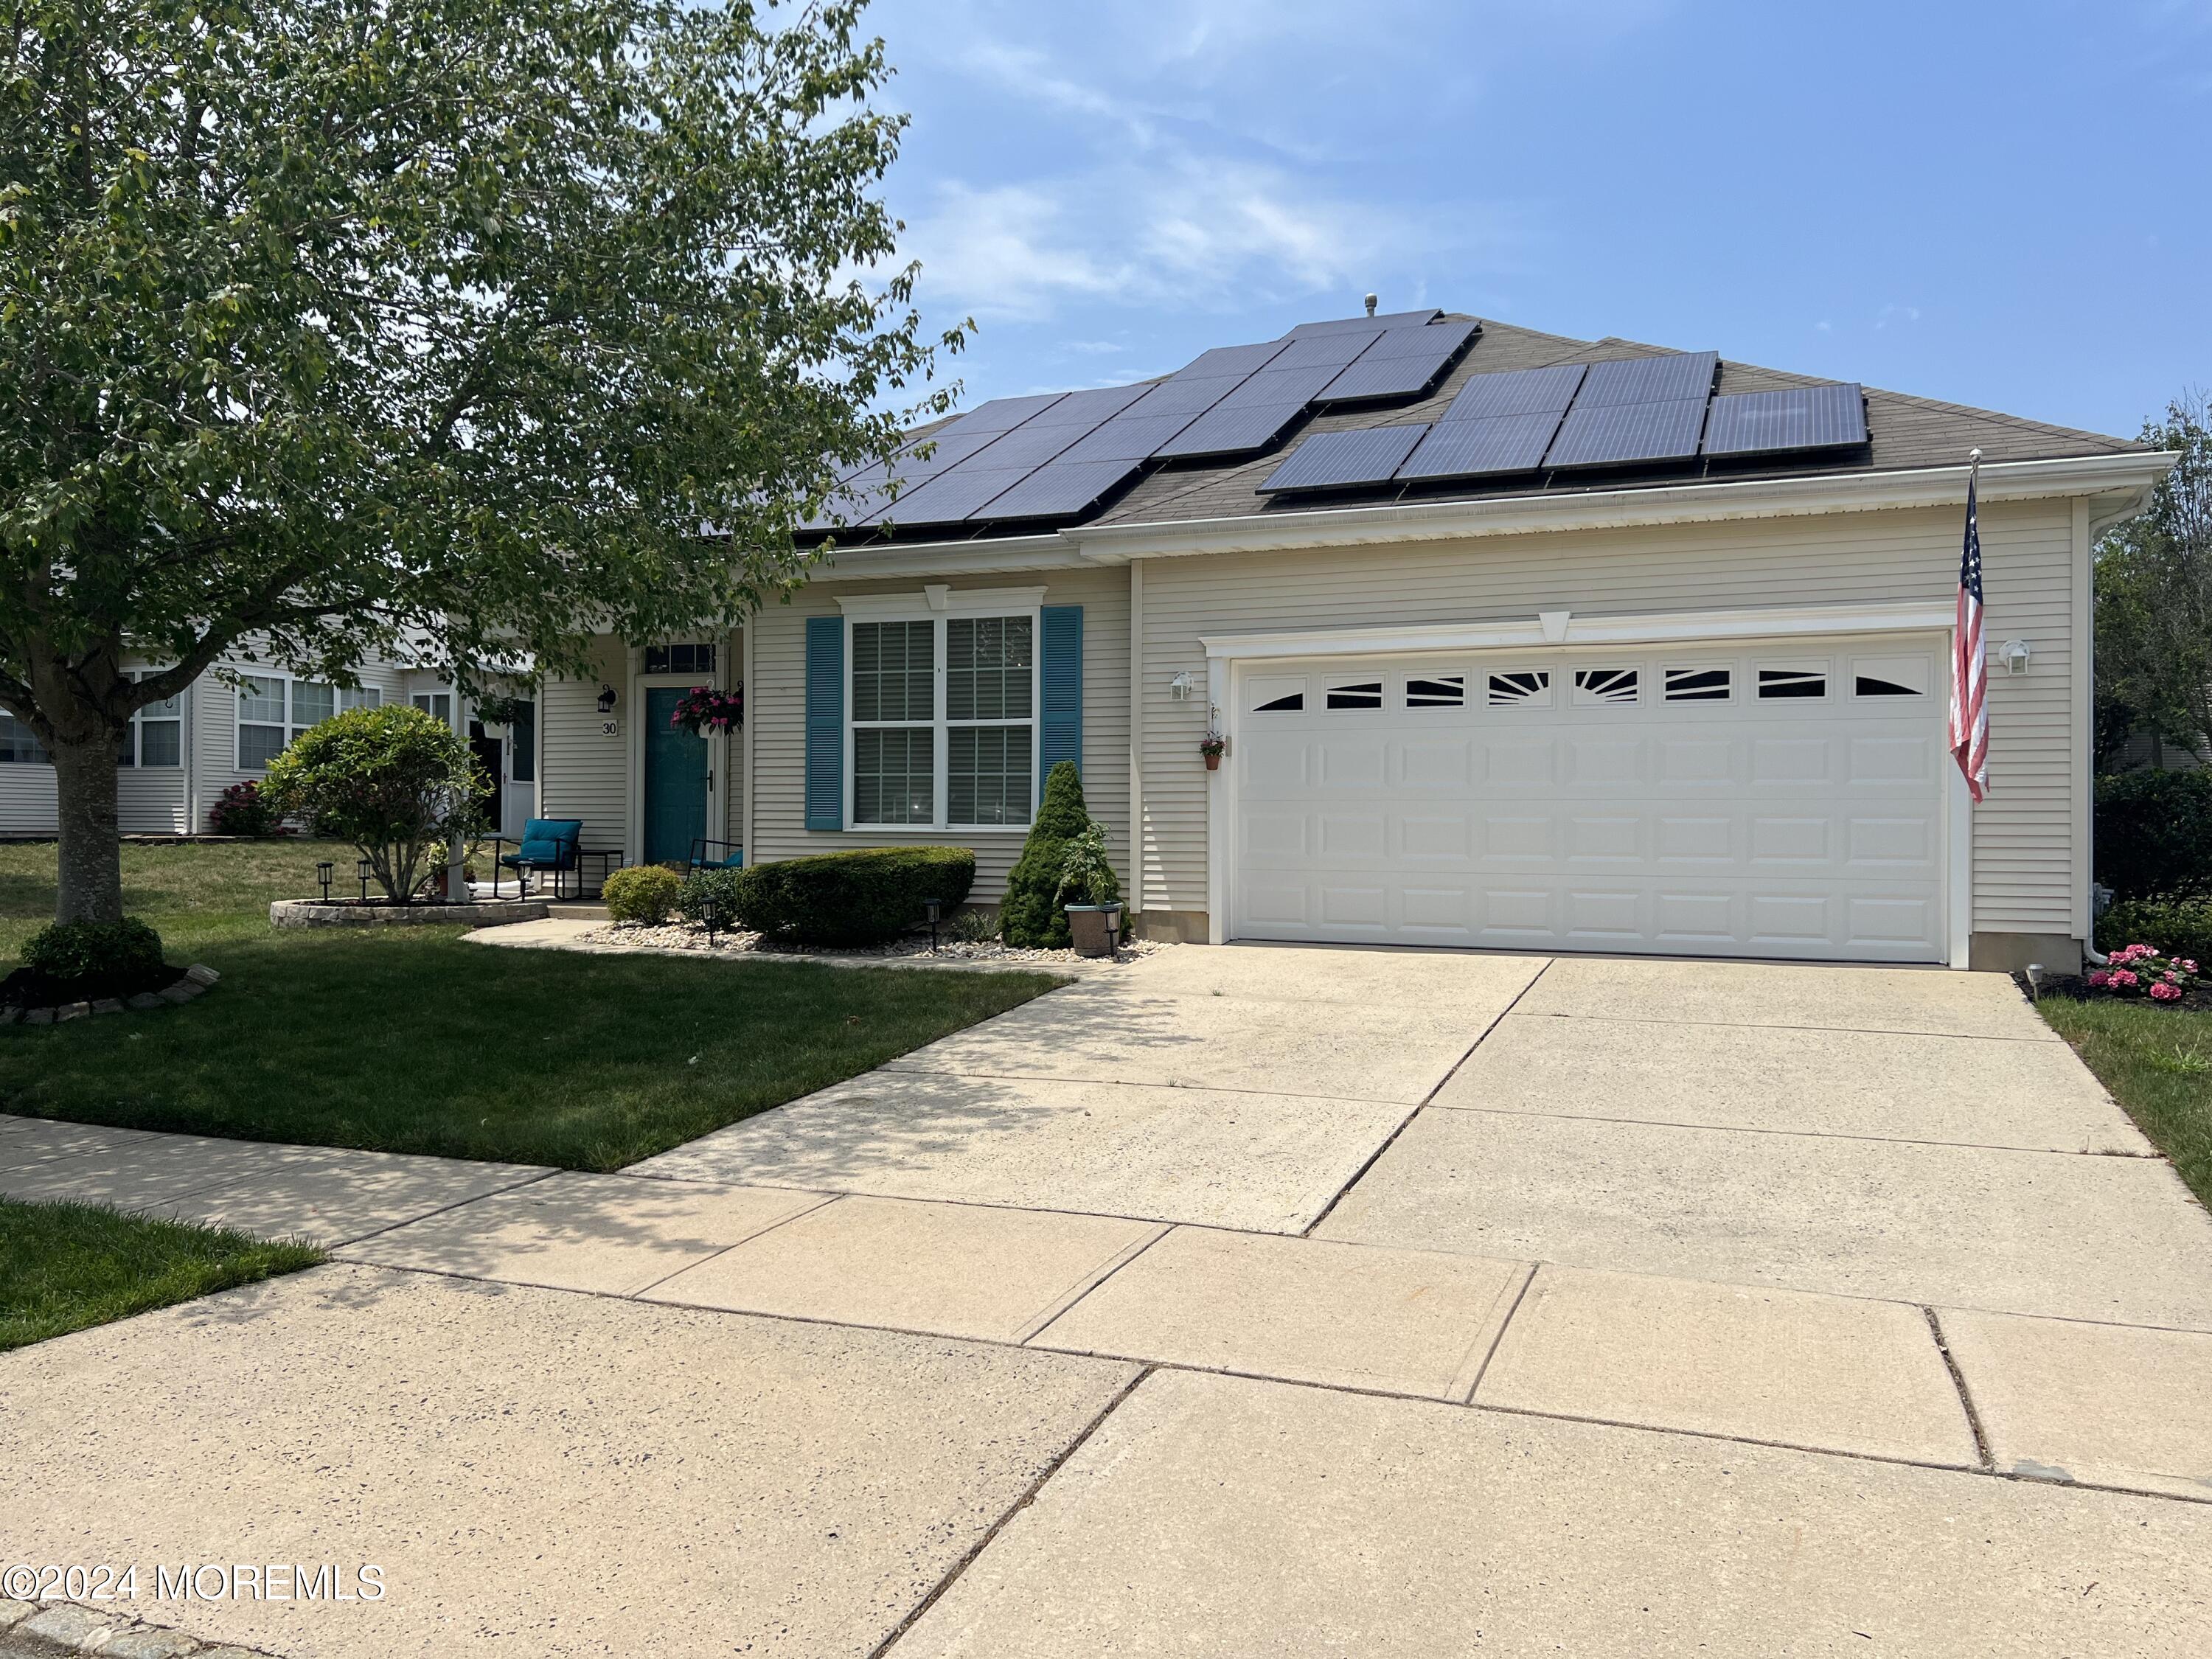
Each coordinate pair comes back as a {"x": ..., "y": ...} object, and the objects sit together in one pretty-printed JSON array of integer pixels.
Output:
[
  {"x": 1699, "y": 683},
  {"x": 1605, "y": 688},
  {"x": 1355, "y": 695},
  {"x": 1522, "y": 688},
  {"x": 1789, "y": 681},
  {"x": 1890, "y": 676},
  {"x": 1436, "y": 691}
]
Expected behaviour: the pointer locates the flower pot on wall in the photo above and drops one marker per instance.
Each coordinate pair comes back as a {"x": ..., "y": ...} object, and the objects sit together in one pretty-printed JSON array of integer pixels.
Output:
[
  {"x": 1092, "y": 927},
  {"x": 1214, "y": 762}
]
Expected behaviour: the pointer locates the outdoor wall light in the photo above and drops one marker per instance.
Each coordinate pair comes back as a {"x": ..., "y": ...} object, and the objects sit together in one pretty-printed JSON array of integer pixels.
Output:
[
  {"x": 2014, "y": 654},
  {"x": 606, "y": 700},
  {"x": 934, "y": 907},
  {"x": 1180, "y": 687},
  {"x": 323, "y": 875}
]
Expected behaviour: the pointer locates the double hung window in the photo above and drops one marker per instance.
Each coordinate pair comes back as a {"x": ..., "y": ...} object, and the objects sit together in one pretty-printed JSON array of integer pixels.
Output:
[
  {"x": 156, "y": 735},
  {"x": 943, "y": 721},
  {"x": 272, "y": 711}
]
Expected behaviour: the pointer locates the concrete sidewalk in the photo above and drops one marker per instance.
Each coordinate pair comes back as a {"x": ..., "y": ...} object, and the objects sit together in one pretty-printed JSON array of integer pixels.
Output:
[{"x": 1242, "y": 1301}]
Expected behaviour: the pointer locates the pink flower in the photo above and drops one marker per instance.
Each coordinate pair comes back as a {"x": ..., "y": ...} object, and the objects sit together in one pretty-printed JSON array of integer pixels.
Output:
[
  {"x": 2166, "y": 992},
  {"x": 2100, "y": 978},
  {"x": 2187, "y": 966},
  {"x": 2125, "y": 979}
]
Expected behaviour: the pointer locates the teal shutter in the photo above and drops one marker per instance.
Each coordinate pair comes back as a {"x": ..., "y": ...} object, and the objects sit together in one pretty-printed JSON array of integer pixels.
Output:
[
  {"x": 825, "y": 722},
  {"x": 1061, "y": 717}
]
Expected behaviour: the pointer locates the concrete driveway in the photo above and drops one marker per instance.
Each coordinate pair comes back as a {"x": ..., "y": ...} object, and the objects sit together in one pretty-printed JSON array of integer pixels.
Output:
[{"x": 1243, "y": 1301}]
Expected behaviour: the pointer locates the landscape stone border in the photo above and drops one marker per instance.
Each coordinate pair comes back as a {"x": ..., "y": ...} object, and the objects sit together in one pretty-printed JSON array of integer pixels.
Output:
[
  {"x": 59, "y": 1627},
  {"x": 195, "y": 981},
  {"x": 477, "y": 913}
]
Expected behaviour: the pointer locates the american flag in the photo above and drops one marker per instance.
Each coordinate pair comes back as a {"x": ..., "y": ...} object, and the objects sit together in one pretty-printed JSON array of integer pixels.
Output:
[{"x": 1969, "y": 717}]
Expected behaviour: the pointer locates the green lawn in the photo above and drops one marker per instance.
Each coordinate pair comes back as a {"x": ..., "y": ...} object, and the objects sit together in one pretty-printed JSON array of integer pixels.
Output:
[
  {"x": 2158, "y": 1064},
  {"x": 64, "y": 1267},
  {"x": 408, "y": 1040}
]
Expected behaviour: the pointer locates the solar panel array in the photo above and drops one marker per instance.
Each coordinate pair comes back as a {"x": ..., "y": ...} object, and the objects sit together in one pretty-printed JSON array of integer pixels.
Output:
[
  {"x": 1619, "y": 413},
  {"x": 1024, "y": 459},
  {"x": 1058, "y": 456}
]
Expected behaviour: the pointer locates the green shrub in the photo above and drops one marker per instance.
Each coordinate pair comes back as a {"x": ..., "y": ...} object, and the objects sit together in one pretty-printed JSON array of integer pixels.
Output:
[
  {"x": 645, "y": 893},
  {"x": 720, "y": 885},
  {"x": 1087, "y": 875},
  {"x": 395, "y": 781},
  {"x": 851, "y": 898},
  {"x": 2154, "y": 835},
  {"x": 1030, "y": 915},
  {"x": 81, "y": 959},
  {"x": 2178, "y": 928}
]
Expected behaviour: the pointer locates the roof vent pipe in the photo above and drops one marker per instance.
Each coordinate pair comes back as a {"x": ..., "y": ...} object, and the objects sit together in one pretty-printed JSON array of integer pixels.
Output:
[{"x": 1370, "y": 305}]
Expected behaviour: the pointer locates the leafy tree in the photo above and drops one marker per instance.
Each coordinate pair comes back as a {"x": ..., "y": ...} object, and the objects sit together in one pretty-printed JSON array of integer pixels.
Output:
[
  {"x": 2154, "y": 593},
  {"x": 329, "y": 323},
  {"x": 396, "y": 782},
  {"x": 1030, "y": 914}
]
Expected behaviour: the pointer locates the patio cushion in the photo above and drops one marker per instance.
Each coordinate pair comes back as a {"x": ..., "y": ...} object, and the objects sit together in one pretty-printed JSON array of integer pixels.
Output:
[{"x": 550, "y": 843}]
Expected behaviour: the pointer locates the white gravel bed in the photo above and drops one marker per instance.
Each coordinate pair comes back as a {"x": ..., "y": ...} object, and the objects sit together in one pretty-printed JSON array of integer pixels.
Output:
[{"x": 690, "y": 936}]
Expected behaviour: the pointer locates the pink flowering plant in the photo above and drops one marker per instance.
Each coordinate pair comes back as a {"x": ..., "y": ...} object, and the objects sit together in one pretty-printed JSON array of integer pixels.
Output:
[
  {"x": 705, "y": 709},
  {"x": 2143, "y": 970}
]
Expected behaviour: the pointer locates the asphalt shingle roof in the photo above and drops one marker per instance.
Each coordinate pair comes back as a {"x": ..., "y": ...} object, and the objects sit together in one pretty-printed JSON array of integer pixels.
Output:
[{"x": 1904, "y": 432}]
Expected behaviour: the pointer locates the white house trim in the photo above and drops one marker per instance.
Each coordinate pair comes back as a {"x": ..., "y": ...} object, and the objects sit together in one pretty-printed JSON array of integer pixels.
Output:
[
  {"x": 939, "y": 600},
  {"x": 1879, "y": 617}
]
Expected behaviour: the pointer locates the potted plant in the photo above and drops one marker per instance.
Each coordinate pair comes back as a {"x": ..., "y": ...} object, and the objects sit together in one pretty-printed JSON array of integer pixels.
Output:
[
  {"x": 1090, "y": 893},
  {"x": 1212, "y": 745},
  {"x": 705, "y": 709}
]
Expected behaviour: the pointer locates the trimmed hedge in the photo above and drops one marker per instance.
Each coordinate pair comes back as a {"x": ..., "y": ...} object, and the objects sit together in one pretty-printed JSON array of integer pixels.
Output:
[
  {"x": 645, "y": 892},
  {"x": 2155, "y": 834},
  {"x": 850, "y": 898},
  {"x": 82, "y": 959},
  {"x": 721, "y": 886},
  {"x": 2182, "y": 928}
]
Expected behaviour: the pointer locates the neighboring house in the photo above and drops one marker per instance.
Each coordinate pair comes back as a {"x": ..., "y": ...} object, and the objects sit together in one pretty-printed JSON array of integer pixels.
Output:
[
  {"x": 1516, "y": 642},
  {"x": 183, "y": 753}
]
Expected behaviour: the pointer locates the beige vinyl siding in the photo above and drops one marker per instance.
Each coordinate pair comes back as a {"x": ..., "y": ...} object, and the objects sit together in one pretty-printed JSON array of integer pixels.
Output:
[
  {"x": 153, "y": 801},
  {"x": 2023, "y": 835},
  {"x": 581, "y": 772},
  {"x": 776, "y": 708}
]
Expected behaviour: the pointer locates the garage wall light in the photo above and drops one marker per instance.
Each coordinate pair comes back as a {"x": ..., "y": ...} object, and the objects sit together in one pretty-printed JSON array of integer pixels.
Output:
[
  {"x": 1180, "y": 687},
  {"x": 2014, "y": 654}
]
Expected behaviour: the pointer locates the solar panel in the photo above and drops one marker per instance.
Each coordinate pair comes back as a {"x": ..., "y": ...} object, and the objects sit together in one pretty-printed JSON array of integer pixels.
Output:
[
  {"x": 1404, "y": 362},
  {"x": 1089, "y": 408},
  {"x": 1334, "y": 460},
  {"x": 1670, "y": 377},
  {"x": 1129, "y": 437},
  {"x": 1802, "y": 417},
  {"x": 1388, "y": 319},
  {"x": 1607, "y": 434},
  {"x": 949, "y": 497},
  {"x": 1230, "y": 359},
  {"x": 1004, "y": 414},
  {"x": 1468, "y": 449},
  {"x": 1233, "y": 431},
  {"x": 1516, "y": 392},
  {"x": 1062, "y": 490},
  {"x": 1335, "y": 349}
]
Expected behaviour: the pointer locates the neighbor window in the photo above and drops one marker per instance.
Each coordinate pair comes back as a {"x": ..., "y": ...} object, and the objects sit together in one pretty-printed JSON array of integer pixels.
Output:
[
  {"x": 17, "y": 744},
  {"x": 272, "y": 712},
  {"x": 960, "y": 757},
  {"x": 359, "y": 697},
  {"x": 438, "y": 705},
  {"x": 522, "y": 742},
  {"x": 156, "y": 735}
]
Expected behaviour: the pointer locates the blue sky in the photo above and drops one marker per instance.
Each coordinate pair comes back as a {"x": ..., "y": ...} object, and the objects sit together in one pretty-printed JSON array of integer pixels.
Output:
[{"x": 2005, "y": 205}]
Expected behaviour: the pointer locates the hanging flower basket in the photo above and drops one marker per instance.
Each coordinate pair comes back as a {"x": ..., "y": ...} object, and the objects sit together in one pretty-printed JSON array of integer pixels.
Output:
[
  {"x": 705, "y": 710},
  {"x": 1210, "y": 746}
]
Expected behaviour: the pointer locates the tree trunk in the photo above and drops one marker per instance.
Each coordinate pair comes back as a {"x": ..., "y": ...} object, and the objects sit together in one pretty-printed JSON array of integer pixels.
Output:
[{"x": 91, "y": 852}]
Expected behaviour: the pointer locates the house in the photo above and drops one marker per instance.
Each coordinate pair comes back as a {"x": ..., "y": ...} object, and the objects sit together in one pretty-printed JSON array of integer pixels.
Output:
[
  {"x": 184, "y": 752},
  {"x": 1516, "y": 641}
]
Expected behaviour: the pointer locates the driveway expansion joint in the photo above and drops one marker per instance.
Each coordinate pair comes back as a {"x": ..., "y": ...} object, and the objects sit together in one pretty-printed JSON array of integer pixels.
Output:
[{"x": 1965, "y": 1395}]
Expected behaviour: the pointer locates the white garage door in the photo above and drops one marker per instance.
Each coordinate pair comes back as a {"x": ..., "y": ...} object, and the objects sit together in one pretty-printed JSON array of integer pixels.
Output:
[{"x": 1779, "y": 800}]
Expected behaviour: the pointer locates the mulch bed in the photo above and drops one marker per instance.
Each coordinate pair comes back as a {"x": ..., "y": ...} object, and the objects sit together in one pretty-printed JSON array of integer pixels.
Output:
[{"x": 2196, "y": 1001}]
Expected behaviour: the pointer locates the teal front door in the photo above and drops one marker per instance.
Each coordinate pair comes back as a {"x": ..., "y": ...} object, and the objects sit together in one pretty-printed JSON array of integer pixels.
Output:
[{"x": 675, "y": 779}]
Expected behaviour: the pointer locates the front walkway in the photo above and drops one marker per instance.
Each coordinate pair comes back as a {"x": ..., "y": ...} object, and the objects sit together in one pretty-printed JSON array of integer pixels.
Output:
[{"x": 1236, "y": 1301}]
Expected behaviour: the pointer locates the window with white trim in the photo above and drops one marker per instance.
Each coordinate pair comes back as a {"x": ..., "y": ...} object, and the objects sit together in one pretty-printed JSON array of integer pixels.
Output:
[
  {"x": 17, "y": 746},
  {"x": 273, "y": 711},
  {"x": 155, "y": 734},
  {"x": 943, "y": 722},
  {"x": 438, "y": 705}
]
